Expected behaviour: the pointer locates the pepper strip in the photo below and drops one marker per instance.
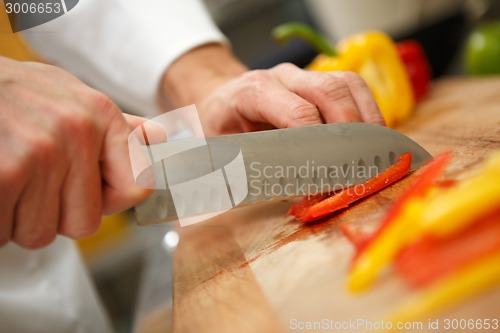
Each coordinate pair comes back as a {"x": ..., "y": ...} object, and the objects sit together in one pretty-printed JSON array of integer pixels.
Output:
[
  {"x": 420, "y": 187},
  {"x": 430, "y": 258},
  {"x": 457, "y": 207},
  {"x": 462, "y": 284},
  {"x": 307, "y": 202},
  {"x": 394, "y": 230},
  {"x": 345, "y": 197}
]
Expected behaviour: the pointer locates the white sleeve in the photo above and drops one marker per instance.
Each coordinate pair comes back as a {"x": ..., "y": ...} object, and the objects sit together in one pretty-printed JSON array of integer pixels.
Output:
[
  {"x": 122, "y": 47},
  {"x": 48, "y": 290}
]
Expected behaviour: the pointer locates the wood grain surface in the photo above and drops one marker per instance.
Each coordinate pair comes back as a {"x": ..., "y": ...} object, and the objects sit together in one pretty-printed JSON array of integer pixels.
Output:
[{"x": 255, "y": 269}]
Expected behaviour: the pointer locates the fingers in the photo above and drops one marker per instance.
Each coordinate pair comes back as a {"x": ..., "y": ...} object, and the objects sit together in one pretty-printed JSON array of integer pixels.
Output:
[
  {"x": 149, "y": 133},
  {"x": 286, "y": 96},
  {"x": 11, "y": 178},
  {"x": 331, "y": 94},
  {"x": 338, "y": 96},
  {"x": 134, "y": 121},
  {"x": 7, "y": 204},
  {"x": 365, "y": 103},
  {"x": 81, "y": 197},
  {"x": 37, "y": 211},
  {"x": 120, "y": 191},
  {"x": 64, "y": 156},
  {"x": 263, "y": 99}
]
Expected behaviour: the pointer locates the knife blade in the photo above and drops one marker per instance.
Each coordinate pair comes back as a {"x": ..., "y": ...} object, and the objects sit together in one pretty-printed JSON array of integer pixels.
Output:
[{"x": 200, "y": 178}]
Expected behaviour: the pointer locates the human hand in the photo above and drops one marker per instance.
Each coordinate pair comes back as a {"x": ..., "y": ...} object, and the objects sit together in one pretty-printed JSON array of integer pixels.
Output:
[
  {"x": 286, "y": 96},
  {"x": 64, "y": 154},
  {"x": 283, "y": 96}
]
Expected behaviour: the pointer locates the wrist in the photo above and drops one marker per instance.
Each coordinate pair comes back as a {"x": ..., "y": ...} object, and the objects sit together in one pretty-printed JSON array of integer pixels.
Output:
[{"x": 195, "y": 74}]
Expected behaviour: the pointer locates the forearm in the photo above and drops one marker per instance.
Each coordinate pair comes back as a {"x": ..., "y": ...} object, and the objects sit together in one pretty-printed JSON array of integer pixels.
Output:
[{"x": 195, "y": 74}]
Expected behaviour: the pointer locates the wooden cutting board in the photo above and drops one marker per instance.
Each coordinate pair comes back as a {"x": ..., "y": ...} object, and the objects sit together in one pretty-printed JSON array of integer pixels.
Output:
[{"x": 255, "y": 269}]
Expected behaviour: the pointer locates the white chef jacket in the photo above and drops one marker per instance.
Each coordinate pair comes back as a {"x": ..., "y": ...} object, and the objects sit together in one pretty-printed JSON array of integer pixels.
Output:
[{"x": 122, "y": 48}]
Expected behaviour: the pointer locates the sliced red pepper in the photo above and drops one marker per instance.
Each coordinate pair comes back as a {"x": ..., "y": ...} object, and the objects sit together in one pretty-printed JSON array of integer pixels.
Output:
[
  {"x": 417, "y": 66},
  {"x": 431, "y": 258},
  {"x": 424, "y": 182},
  {"x": 345, "y": 197},
  {"x": 306, "y": 202}
]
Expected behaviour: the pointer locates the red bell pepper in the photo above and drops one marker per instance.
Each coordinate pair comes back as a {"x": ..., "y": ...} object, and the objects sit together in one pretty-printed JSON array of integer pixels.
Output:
[
  {"x": 313, "y": 210},
  {"x": 430, "y": 258},
  {"x": 417, "y": 66}
]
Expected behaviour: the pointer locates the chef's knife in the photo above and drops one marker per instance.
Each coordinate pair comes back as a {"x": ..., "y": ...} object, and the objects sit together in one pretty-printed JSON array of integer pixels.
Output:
[{"x": 226, "y": 171}]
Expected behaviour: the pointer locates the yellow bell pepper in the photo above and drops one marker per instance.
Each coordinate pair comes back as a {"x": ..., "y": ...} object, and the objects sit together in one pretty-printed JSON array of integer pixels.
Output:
[{"x": 374, "y": 56}]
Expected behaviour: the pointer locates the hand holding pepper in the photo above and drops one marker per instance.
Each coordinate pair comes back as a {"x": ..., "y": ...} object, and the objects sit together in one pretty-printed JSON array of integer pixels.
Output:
[
  {"x": 232, "y": 99},
  {"x": 397, "y": 76}
]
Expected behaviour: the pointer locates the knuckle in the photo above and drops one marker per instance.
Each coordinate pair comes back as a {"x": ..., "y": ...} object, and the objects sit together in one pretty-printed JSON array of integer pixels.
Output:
[
  {"x": 375, "y": 118},
  {"x": 256, "y": 77},
  {"x": 348, "y": 75},
  {"x": 252, "y": 85},
  {"x": 333, "y": 88},
  {"x": 355, "y": 80},
  {"x": 45, "y": 149},
  {"x": 14, "y": 171},
  {"x": 286, "y": 67},
  {"x": 77, "y": 124},
  {"x": 303, "y": 114},
  {"x": 327, "y": 82},
  {"x": 101, "y": 103}
]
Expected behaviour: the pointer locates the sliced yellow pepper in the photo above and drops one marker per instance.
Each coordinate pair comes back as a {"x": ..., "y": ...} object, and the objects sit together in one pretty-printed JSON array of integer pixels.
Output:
[
  {"x": 382, "y": 250},
  {"x": 464, "y": 283},
  {"x": 452, "y": 209}
]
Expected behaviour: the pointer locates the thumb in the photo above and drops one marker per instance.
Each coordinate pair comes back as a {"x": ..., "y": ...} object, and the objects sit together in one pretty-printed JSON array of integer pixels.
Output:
[
  {"x": 120, "y": 191},
  {"x": 134, "y": 121}
]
